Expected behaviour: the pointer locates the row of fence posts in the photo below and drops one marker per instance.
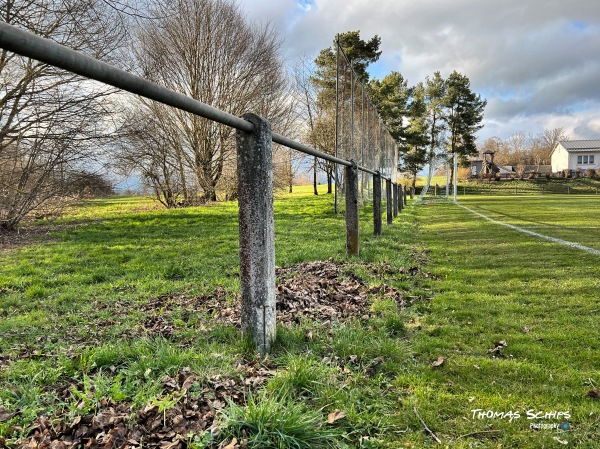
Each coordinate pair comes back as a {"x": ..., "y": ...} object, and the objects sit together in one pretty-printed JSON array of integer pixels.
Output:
[
  {"x": 255, "y": 170},
  {"x": 257, "y": 231}
]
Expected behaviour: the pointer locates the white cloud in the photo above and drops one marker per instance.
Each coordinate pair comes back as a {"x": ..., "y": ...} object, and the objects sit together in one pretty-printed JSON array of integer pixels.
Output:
[{"x": 537, "y": 61}]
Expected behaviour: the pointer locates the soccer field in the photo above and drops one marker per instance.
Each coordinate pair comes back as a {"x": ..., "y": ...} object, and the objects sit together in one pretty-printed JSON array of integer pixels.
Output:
[
  {"x": 503, "y": 286},
  {"x": 567, "y": 217}
]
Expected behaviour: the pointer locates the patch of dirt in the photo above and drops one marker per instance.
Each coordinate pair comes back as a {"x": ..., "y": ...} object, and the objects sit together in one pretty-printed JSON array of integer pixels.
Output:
[
  {"x": 29, "y": 233},
  {"x": 22, "y": 237}
]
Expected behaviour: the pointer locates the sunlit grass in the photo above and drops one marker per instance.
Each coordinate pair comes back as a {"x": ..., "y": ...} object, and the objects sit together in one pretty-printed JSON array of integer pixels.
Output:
[{"x": 72, "y": 313}]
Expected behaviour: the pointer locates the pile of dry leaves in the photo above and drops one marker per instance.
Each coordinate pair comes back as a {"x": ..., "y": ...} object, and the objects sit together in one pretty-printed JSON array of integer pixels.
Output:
[
  {"x": 189, "y": 406},
  {"x": 318, "y": 291}
]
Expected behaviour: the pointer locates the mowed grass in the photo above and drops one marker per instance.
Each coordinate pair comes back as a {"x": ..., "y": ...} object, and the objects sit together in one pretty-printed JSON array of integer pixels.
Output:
[
  {"x": 569, "y": 217},
  {"x": 539, "y": 297},
  {"x": 73, "y": 310}
]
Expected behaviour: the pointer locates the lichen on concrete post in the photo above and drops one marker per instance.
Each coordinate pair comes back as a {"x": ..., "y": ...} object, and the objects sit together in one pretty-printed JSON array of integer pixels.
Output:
[
  {"x": 257, "y": 233},
  {"x": 388, "y": 200},
  {"x": 352, "y": 237},
  {"x": 395, "y": 194},
  {"x": 377, "y": 204}
]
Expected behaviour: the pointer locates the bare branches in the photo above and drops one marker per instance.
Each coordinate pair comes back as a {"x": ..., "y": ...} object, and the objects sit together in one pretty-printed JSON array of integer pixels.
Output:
[
  {"x": 205, "y": 49},
  {"x": 52, "y": 125}
]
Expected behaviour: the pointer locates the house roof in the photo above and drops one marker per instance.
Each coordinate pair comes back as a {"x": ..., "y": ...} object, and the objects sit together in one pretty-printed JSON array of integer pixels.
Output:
[{"x": 580, "y": 145}]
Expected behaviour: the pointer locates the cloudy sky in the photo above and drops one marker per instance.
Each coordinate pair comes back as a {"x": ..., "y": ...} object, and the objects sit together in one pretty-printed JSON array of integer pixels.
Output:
[{"x": 537, "y": 62}]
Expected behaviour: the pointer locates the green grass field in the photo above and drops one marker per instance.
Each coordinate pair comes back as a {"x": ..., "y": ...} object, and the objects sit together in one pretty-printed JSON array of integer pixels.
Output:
[{"x": 114, "y": 310}]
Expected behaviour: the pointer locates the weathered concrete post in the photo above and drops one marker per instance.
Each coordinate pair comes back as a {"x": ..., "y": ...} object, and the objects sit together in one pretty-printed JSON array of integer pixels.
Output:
[
  {"x": 400, "y": 198},
  {"x": 257, "y": 233},
  {"x": 352, "y": 237},
  {"x": 377, "y": 204},
  {"x": 395, "y": 193},
  {"x": 388, "y": 200}
]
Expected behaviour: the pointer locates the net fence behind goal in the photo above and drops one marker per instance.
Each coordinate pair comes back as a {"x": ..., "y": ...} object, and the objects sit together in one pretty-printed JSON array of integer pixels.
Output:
[
  {"x": 361, "y": 135},
  {"x": 438, "y": 184}
]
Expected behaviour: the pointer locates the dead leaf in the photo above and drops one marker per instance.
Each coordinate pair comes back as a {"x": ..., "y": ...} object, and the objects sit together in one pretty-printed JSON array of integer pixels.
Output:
[
  {"x": 439, "y": 362},
  {"x": 231, "y": 445},
  {"x": 594, "y": 393},
  {"x": 525, "y": 330},
  {"x": 335, "y": 416},
  {"x": 5, "y": 415}
]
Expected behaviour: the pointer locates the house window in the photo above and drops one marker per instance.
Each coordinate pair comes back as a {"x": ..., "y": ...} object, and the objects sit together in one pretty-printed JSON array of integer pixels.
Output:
[{"x": 587, "y": 159}]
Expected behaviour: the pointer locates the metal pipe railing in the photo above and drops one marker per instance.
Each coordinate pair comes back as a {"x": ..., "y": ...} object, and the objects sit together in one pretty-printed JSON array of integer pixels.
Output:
[{"x": 32, "y": 46}]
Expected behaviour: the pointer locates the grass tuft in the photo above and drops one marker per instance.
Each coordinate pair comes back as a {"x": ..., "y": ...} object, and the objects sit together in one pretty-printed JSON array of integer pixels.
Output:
[{"x": 276, "y": 422}]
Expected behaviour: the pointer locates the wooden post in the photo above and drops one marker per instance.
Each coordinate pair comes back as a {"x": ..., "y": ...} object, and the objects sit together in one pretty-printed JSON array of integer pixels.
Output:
[
  {"x": 400, "y": 197},
  {"x": 395, "y": 193},
  {"x": 377, "y": 204},
  {"x": 352, "y": 236},
  {"x": 257, "y": 233},
  {"x": 388, "y": 200}
]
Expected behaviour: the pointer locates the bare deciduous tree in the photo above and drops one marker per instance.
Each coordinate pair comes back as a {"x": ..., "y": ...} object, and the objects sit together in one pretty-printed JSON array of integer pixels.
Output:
[
  {"x": 206, "y": 50},
  {"x": 51, "y": 122}
]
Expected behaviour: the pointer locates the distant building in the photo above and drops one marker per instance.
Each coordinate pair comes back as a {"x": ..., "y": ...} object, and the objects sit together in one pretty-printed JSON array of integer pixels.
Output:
[{"x": 574, "y": 154}]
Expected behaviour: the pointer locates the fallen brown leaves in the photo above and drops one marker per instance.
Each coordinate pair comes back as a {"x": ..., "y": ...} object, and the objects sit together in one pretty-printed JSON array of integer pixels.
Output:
[
  {"x": 197, "y": 402},
  {"x": 335, "y": 416},
  {"x": 321, "y": 291}
]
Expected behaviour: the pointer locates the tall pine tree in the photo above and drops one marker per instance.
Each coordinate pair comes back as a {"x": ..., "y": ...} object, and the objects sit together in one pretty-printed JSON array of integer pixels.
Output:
[{"x": 463, "y": 115}]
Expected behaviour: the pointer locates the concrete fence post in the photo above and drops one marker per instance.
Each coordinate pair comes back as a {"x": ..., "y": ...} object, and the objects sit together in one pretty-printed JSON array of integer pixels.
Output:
[
  {"x": 388, "y": 200},
  {"x": 257, "y": 233},
  {"x": 395, "y": 193},
  {"x": 352, "y": 236},
  {"x": 377, "y": 204}
]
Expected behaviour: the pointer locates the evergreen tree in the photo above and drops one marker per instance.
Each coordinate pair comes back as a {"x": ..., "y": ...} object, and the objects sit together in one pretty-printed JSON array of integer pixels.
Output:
[
  {"x": 434, "y": 94},
  {"x": 391, "y": 97},
  {"x": 416, "y": 138},
  {"x": 463, "y": 115},
  {"x": 361, "y": 53}
]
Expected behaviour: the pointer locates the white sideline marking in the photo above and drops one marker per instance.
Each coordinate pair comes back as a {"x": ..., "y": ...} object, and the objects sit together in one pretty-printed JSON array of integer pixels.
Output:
[{"x": 587, "y": 249}]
